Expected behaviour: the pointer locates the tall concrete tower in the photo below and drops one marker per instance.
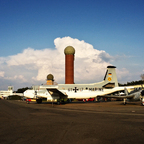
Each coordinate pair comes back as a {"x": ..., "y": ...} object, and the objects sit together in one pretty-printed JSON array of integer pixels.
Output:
[{"x": 69, "y": 65}]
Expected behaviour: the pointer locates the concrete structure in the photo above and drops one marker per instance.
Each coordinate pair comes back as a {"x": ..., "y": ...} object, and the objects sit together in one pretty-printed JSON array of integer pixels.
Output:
[{"x": 69, "y": 65}]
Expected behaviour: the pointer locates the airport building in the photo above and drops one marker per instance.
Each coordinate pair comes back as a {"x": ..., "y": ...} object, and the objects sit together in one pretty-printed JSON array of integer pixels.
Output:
[{"x": 5, "y": 93}]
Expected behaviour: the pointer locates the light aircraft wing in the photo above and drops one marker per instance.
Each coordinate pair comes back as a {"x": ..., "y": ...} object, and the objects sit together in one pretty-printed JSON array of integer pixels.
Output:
[
  {"x": 129, "y": 96},
  {"x": 56, "y": 93}
]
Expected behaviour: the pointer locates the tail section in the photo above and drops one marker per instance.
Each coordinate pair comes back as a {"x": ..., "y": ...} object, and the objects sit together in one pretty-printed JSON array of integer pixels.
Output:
[{"x": 110, "y": 78}]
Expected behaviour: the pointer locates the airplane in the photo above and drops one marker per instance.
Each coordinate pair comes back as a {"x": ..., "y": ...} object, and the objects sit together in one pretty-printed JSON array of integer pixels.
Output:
[
  {"x": 136, "y": 95},
  {"x": 76, "y": 91}
]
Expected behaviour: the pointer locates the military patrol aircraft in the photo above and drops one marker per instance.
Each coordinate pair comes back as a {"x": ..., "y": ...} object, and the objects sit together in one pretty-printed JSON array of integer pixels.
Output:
[{"x": 76, "y": 91}]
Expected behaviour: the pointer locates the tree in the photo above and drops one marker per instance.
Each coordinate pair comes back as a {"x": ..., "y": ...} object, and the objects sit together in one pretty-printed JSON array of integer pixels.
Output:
[{"x": 21, "y": 90}]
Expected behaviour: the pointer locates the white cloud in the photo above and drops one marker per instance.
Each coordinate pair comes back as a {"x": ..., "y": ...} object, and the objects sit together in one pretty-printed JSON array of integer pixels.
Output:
[
  {"x": 2, "y": 73},
  {"x": 34, "y": 65},
  {"x": 89, "y": 61},
  {"x": 20, "y": 78},
  {"x": 121, "y": 73}
]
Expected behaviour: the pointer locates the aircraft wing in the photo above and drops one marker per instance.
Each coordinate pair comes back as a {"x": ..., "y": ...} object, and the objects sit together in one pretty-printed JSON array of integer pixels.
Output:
[
  {"x": 56, "y": 93},
  {"x": 118, "y": 97}
]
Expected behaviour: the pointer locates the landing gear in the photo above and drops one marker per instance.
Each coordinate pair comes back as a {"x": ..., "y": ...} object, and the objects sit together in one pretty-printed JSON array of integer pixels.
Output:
[
  {"x": 96, "y": 99},
  {"x": 124, "y": 101},
  {"x": 39, "y": 101}
]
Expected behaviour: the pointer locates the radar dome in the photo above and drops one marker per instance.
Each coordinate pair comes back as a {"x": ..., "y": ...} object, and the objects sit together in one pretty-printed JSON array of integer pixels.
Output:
[
  {"x": 50, "y": 77},
  {"x": 69, "y": 50}
]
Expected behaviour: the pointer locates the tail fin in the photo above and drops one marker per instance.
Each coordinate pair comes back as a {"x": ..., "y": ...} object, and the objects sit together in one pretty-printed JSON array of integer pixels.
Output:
[{"x": 111, "y": 77}]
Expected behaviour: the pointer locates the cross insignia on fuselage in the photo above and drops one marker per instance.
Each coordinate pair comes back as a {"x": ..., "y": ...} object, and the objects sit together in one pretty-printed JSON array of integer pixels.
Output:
[{"x": 75, "y": 89}]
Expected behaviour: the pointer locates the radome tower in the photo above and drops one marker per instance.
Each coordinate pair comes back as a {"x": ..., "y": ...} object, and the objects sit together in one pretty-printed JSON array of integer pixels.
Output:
[{"x": 69, "y": 64}]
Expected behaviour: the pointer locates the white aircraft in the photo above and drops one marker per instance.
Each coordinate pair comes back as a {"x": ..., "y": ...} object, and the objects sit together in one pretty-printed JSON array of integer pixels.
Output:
[
  {"x": 76, "y": 91},
  {"x": 135, "y": 95}
]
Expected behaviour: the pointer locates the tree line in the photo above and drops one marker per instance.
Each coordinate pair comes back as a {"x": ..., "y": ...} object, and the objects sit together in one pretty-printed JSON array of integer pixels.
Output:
[
  {"x": 132, "y": 83},
  {"x": 21, "y": 90}
]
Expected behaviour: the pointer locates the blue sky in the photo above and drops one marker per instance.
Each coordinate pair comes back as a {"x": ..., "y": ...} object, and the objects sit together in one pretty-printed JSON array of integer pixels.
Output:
[{"x": 114, "y": 26}]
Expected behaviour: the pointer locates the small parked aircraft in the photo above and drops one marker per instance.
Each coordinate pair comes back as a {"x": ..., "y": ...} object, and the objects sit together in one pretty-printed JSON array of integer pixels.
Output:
[{"x": 136, "y": 95}]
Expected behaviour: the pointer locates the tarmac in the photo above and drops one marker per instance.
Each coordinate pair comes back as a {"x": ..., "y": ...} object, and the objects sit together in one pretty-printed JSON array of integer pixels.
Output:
[{"x": 72, "y": 123}]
